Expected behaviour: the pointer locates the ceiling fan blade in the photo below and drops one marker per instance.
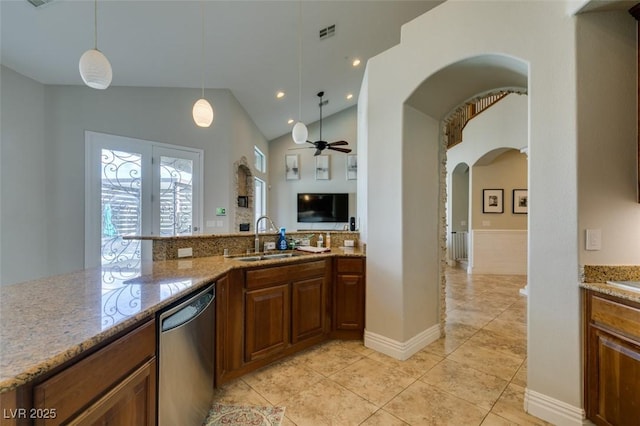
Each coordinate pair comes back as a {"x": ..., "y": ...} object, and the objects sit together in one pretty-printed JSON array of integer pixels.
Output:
[
  {"x": 345, "y": 150},
  {"x": 339, "y": 143},
  {"x": 318, "y": 151},
  {"x": 304, "y": 147},
  {"x": 312, "y": 143}
]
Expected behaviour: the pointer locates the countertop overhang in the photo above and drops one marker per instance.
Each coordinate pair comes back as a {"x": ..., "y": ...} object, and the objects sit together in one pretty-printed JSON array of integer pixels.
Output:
[{"x": 47, "y": 322}]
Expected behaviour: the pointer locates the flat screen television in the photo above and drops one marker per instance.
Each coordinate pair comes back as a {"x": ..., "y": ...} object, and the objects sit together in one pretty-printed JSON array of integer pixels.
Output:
[{"x": 323, "y": 207}]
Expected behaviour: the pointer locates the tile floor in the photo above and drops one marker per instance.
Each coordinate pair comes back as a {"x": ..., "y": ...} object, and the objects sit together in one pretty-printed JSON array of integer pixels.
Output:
[{"x": 476, "y": 375}]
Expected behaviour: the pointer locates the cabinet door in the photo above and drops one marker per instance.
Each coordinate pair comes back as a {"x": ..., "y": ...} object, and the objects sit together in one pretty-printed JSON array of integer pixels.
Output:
[
  {"x": 266, "y": 321},
  {"x": 308, "y": 309},
  {"x": 132, "y": 402},
  {"x": 614, "y": 374},
  {"x": 348, "y": 302}
]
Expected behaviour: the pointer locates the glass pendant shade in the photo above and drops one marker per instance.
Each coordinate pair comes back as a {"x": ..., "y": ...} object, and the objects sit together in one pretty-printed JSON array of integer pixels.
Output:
[
  {"x": 95, "y": 69},
  {"x": 202, "y": 113},
  {"x": 300, "y": 133}
]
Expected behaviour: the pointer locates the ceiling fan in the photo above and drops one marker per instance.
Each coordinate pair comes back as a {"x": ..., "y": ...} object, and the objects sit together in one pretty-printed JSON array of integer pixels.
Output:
[{"x": 321, "y": 145}]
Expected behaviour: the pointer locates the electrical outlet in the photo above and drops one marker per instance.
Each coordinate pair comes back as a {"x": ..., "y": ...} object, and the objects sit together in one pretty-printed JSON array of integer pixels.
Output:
[
  {"x": 486, "y": 223},
  {"x": 270, "y": 245},
  {"x": 348, "y": 243},
  {"x": 185, "y": 252}
]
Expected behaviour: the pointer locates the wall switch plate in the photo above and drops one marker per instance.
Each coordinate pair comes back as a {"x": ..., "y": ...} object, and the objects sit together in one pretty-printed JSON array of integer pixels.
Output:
[
  {"x": 348, "y": 243},
  {"x": 593, "y": 239},
  {"x": 185, "y": 252}
]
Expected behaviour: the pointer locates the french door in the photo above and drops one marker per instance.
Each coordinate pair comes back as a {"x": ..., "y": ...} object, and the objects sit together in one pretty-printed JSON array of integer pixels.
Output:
[{"x": 133, "y": 188}]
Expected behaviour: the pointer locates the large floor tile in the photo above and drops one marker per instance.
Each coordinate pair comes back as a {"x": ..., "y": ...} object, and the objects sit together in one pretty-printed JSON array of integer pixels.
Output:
[
  {"x": 474, "y": 386},
  {"x": 414, "y": 367},
  {"x": 423, "y": 404},
  {"x": 329, "y": 358},
  {"x": 501, "y": 342},
  {"x": 282, "y": 380},
  {"x": 374, "y": 381},
  {"x": 327, "y": 403},
  {"x": 510, "y": 406},
  {"x": 383, "y": 418},
  {"x": 239, "y": 393},
  {"x": 487, "y": 360}
]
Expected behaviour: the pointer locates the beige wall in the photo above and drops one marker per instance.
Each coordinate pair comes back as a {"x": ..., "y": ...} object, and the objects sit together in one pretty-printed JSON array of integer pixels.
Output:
[{"x": 507, "y": 172}]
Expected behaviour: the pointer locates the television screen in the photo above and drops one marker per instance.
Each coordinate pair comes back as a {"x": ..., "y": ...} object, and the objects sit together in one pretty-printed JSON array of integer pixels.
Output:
[{"x": 323, "y": 207}]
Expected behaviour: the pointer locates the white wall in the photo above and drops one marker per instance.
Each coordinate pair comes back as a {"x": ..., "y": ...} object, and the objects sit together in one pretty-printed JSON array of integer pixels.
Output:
[
  {"x": 542, "y": 34},
  {"x": 23, "y": 179},
  {"x": 607, "y": 117},
  {"x": 282, "y": 207},
  {"x": 156, "y": 114}
]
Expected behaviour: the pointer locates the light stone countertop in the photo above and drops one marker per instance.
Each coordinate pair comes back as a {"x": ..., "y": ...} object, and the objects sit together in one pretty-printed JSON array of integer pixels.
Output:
[
  {"x": 46, "y": 322},
  {"x": 595, "y": 277}
]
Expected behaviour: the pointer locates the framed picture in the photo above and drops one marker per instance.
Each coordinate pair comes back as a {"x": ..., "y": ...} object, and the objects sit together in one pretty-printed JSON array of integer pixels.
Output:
[
  {"x": 520, "y": 201},
  {"x": 493, "y": 201},
  {"x": 352, "y": 167},
  {"x": 292, "y": 168},
  {"x": 322, "y": 167}
]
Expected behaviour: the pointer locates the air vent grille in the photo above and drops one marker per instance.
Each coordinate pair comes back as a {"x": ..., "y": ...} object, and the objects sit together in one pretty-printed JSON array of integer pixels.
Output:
[
  {"x": 38, "y": 3},
  {"x": 327, "y": 32}
]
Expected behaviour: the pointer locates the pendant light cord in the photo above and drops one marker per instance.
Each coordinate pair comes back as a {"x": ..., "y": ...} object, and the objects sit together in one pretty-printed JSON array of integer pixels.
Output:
[
  {"x": 300, "y": 61},
  {"x": 95, "y": 24},
  {"x": 202, "y": 13}
]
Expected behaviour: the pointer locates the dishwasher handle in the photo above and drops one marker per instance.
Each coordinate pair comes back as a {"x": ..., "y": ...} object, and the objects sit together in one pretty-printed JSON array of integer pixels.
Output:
[{"x": 187, "y": 311}]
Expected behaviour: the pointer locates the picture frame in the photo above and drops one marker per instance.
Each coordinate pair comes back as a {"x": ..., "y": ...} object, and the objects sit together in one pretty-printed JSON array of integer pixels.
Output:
[
  {"x": 493, "y": 201},
  {"x": 323, "y": 168},
  {"x": 292, "y": 167},
  {"x": 352, "y": 167},
  {"x": 520, "y": 201}
]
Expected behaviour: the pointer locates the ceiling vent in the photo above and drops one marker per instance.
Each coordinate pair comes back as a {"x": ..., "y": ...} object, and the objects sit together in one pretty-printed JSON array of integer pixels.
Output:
[
  {"x": 327, "y": 32},
  {"x": 38, "y": 3}
]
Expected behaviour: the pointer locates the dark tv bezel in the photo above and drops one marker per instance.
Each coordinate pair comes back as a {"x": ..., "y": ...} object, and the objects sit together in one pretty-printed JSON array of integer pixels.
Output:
[{"x": 331, "y": 220}]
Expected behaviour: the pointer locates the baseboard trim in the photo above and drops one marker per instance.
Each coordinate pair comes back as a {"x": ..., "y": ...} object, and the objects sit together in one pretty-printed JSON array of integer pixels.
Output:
[
  {"x": 553, "y": 410},
  {"x": 401, "y": 350}
]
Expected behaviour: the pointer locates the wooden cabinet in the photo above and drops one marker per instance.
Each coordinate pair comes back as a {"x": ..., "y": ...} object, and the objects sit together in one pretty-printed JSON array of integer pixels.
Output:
[
  {"x": 267, "y": 321},
  {"x": 109, "y": 387},
  {"x": 349, "y": 298},
  {"x": 612, "y": 376}
]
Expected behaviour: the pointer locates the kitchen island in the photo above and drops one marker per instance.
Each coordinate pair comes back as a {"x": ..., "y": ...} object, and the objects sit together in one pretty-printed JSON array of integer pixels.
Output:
[{"x": 48, "y": 325}]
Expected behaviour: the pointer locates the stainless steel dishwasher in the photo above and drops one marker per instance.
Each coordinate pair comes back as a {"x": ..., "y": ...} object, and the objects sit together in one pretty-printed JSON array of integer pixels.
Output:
[{"x": 185, "y": 367}]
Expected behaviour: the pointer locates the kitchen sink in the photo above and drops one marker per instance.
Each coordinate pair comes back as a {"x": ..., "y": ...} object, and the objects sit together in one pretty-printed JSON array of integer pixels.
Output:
[{"x": 264, "y": 257}]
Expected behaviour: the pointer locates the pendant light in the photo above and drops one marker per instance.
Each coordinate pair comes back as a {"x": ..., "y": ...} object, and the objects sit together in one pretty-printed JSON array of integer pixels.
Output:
[
  {"x": 95, "y": 68},
  {"x": 300, "y": 132},
  {"x": 202, "y": 110}
]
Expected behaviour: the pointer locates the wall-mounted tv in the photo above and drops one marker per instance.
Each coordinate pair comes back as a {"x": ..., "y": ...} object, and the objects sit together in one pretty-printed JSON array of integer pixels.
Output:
[{"x": 323, "y": 207}]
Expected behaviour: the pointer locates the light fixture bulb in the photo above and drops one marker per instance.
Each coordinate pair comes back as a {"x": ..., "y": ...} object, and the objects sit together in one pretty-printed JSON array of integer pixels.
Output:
[
  {"x": 356, "y": 62},
  {"x": 95, "y": 69},
  {"x": 202, "y": 113},
  {"x": 280, "y": 95},
  {"x": 300, "y": 133},
  {"x": 349, "y": 96},
  {"x": 290, "y": 121}
]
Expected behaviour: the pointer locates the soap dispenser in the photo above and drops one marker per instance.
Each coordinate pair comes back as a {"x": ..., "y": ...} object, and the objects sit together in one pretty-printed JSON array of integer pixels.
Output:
[
  {"x": 327, "y": 241},
  {"x": 282, "y": 240}
]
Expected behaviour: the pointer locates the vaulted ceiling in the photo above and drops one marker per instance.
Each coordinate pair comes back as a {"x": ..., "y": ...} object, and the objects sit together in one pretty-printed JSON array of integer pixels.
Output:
[{"x": 251, "y": 47}]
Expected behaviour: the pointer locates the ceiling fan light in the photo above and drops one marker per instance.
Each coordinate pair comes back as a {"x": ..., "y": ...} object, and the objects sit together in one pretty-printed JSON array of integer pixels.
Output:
[
  {"x": 300, "y": 133},
  {"x": 95, "y": 69},
  {"x": 202, "y": 113}
]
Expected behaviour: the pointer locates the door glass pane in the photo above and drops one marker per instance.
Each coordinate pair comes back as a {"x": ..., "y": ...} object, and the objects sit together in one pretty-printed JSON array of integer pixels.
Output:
[
  {"x": 121, "y": 205},
  {"x": 176, "y": 196}
]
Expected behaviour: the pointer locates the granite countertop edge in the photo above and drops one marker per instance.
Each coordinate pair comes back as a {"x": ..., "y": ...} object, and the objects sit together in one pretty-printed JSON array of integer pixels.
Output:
[{"x": 40, "y": 366}]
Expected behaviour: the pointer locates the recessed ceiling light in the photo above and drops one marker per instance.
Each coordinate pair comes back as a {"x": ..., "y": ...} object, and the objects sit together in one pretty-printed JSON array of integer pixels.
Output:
[
  {"x": 290, "y": 121},
  {"x": 356, "y": 62},
  {"x": 280, "y": 94},
  {"x": 349, "y": 96}
]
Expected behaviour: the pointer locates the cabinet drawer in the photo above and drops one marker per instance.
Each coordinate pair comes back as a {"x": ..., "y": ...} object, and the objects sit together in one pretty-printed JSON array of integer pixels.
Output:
[
  {"x": 74, "y": 388},
  {"x": 281, "y": 274},
  {"x": 615, "y": 316},
  {"x": 349, "y": 265}
]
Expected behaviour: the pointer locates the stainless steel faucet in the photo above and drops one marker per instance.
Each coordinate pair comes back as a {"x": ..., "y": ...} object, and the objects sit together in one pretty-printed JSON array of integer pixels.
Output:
[{"x": 257, "y": 240}]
